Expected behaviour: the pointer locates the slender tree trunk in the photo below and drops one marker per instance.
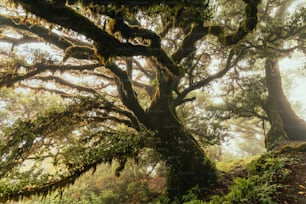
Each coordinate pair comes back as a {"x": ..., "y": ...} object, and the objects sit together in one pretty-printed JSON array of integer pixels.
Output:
[{"x": 285, "y": 124}]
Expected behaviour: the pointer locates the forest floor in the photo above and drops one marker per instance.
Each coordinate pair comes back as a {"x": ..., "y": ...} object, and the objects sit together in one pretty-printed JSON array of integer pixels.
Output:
[
  {"x": 294, "y": 186},
  {"x": 295, "y": 189}
]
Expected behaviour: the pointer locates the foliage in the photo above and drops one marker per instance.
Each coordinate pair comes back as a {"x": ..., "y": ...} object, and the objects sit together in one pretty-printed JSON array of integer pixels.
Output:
[
  {"x": 139, "y": 69},
  {"x": 251, "y": 99},
  {"x": 102, "y": 186},
  {"x": 203, "y": 121},
  {"x": 191, "y": 197},
  {"x": 72, "y": 160},
  {"x": 262, "y": 184},
  {"x": 24, "y": 103}
]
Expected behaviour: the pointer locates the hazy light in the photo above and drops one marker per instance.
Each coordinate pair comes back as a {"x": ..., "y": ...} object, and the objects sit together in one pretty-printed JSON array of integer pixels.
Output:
[{"x": 297, "y": 91}]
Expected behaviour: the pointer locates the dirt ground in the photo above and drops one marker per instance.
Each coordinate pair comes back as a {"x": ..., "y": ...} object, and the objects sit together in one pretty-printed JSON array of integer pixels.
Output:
[{"x": 295, "y": 190}]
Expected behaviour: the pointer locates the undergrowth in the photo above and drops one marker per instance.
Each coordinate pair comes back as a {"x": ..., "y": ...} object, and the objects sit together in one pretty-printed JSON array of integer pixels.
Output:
[{"x": 262, "y": 185}]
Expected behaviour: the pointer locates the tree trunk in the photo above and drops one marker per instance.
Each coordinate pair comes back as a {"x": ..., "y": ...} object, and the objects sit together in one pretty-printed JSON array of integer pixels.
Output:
[
  {"x": 285, "y": 124},
  {"x": 187, "y": 163}
]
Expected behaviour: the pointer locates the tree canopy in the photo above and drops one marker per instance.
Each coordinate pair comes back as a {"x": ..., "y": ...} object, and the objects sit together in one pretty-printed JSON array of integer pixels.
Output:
[{"x": 110, "y": 78}]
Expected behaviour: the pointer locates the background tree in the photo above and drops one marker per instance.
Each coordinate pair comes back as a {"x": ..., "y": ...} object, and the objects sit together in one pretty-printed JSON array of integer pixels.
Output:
[
  {"x": 280, "y": 34},
  {"x": 285, "y": 124}
]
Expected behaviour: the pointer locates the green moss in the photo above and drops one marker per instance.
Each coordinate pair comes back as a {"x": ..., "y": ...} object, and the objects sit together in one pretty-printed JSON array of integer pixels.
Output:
[
  {"x": 301, "y": 148},
  {"x": 294, "y": 147},
  {"x": 234, "y": 164}
]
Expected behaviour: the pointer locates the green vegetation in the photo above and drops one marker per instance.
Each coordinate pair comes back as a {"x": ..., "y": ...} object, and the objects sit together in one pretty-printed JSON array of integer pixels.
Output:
[
  {"x": 103, "y": 187},
  {"x": 164, "y": 101},
  {"x": 228, "y": 165},
  {"x": 265, "y": 178},
  {"x": 262, "y": 183}
]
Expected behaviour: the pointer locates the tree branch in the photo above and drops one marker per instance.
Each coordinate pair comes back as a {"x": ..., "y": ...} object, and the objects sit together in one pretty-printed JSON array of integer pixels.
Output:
[
  {"x": 67, "y": 83},
  {"x": 126, "y": 92},
  {"x": 128, "y": 114},
  {"x": 10, "y": 79},
  {"x": 70, "y": 19},
  {"x": 61, "y": 93},
  {"x": 180, "y": 98},
  {"x": 73, "y": 48},
  {"x": 40, "y": 31},
  {"x": 198, "y": 31}
]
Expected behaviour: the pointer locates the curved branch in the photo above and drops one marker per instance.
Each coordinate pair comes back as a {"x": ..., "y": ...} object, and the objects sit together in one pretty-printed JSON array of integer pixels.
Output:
[
  {"x": 51, "y": 186},
  {"x": 10, "y": 79},
  {"x": 25, "y": 132},
  {"x": 70, "y": 19},
  {"x": 126, "y": 92},
  {"x": 101, "y": 152},
  {"x": 73, "y": 48},
  {"x": 129, "y": 32},
  {"x": 80, "y": 52},
  {"x": 180, "y": 98},
  {"x": 198, "y": 31},
  {"x": 40, "y": 31},
  {"x": 61, "y": 93},
  {"x": 67, "y": 83}
]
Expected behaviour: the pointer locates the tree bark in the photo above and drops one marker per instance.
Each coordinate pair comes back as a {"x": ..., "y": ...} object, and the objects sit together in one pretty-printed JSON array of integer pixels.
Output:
[
  {"x": 187, "y": 162},
  {"x": 285, "y": 124}
]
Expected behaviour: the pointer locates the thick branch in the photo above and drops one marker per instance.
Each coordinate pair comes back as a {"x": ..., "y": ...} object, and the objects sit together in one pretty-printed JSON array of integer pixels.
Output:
[
  {"x": 129, "y": 32},
  {"x": 42, "y": 32},
  {"x": 126, "y": 92},
  {"x": 106, "y": 44},
  {"x": 197, "y": 32},
  {"x": 73, "y": 48}
]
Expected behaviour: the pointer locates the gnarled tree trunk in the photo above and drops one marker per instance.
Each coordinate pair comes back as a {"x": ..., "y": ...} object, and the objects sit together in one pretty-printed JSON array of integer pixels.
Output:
[
  {"x": 188, "y": 165},
  {"x": 285, "y": 124}
]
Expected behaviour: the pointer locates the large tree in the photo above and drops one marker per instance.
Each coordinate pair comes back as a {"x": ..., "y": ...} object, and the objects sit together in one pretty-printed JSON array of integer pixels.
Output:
[
  {"x": 280, "y": 34},
  {"x": 134, "y": 64},
  {"x": 285, "y": 124}
]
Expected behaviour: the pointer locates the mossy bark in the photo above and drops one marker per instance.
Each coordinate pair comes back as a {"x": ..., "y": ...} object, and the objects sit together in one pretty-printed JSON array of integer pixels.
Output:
[
  {"x": 187, "y": 162},
  {"x": 188, "y": 165}
]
